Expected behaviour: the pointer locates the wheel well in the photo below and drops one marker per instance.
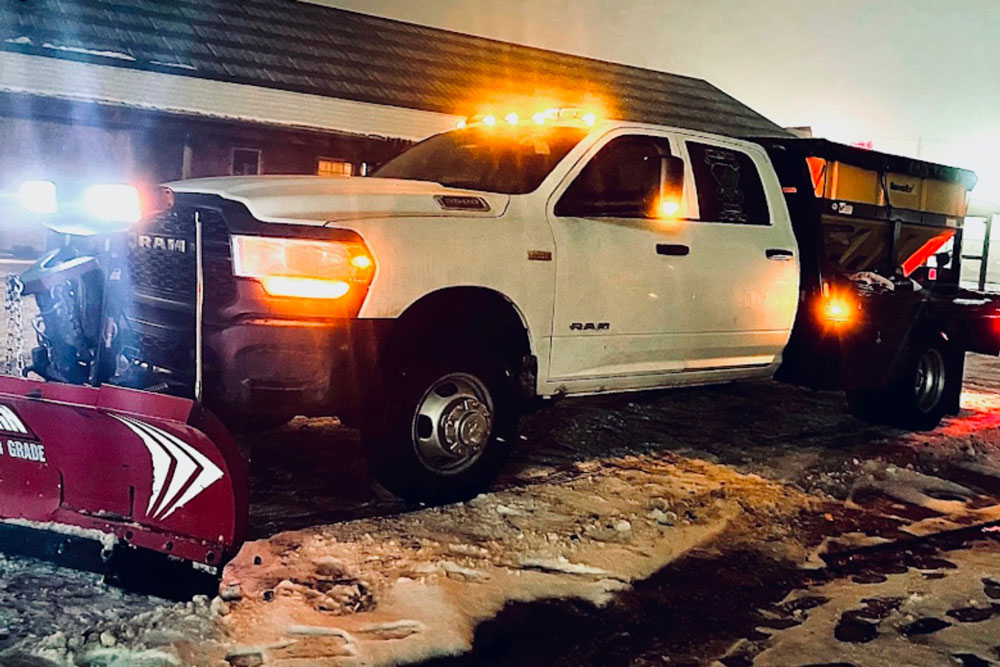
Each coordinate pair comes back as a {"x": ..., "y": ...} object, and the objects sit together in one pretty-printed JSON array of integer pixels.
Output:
[{"x": 458, "y": 314}]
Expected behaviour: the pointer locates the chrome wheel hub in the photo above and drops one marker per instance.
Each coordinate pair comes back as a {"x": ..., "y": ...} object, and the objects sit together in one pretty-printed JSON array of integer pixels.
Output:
[
  {"x": 453, "y": 422},
  {"x": 929, "y": 380},
  {"x": 465, "y": 426}
]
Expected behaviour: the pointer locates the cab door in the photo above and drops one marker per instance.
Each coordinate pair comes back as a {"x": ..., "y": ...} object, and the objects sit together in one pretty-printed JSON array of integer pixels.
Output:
[
  {"x": 745, "y": 270},
  {"x": 648, "y": 295},
  {"x": 615, "y": 265}
]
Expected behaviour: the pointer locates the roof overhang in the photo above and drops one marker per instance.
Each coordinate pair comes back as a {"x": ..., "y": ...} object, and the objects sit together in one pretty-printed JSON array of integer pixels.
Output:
[{"x": 182, "y": 95}]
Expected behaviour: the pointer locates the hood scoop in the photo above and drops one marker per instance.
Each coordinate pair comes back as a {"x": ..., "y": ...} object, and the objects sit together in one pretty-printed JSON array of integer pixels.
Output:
[{"x": 461, "y": 203}]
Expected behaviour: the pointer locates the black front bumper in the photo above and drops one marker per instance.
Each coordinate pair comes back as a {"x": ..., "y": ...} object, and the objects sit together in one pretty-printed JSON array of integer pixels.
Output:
[
  {"x": 264, "y": 357},
  {"x": 263, "y": 367}
]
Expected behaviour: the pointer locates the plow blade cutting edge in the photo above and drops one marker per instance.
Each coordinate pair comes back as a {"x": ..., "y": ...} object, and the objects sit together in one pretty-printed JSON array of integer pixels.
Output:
[{"x": 96, "y": 477}]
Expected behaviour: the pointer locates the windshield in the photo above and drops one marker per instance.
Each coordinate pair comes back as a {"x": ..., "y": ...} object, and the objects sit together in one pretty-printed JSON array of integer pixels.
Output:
[{"x": 495, "y": 160}]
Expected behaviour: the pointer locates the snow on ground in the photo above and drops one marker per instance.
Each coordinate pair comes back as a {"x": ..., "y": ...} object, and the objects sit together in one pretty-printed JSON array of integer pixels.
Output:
[
  {"x": 439, "y": 572},
  {"x": 605, "y": 499},
  {"x": 942, "y": 613}
]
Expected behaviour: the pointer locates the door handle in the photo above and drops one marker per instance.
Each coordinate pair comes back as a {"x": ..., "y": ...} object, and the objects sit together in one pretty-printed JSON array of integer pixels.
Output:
[
  {"x": 672, "y": 250},
  {"x": 779, "y": 254}
]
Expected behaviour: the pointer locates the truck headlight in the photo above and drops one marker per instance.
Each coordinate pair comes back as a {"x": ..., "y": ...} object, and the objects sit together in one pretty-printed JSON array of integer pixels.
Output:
[
  {"x": 300, "y": 268},
  {"x": 38, "y": 197}
]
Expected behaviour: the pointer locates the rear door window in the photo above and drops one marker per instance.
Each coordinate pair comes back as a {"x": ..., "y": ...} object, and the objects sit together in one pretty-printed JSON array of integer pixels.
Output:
[{"x": 729, "y": 185}]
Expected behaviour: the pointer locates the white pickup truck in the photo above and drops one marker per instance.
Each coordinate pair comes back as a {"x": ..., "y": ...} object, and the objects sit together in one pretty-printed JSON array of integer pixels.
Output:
[
  {"x": 510, "y": 259},
  {"x": 485, "y": 267}
]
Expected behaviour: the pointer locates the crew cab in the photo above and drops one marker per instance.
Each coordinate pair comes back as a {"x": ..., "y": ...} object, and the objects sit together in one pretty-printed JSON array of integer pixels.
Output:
[{"x": 479, "y": 270}]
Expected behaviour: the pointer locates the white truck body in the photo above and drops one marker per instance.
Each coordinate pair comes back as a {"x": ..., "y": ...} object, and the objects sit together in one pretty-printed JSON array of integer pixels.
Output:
[{"x": 609, "y": 304}]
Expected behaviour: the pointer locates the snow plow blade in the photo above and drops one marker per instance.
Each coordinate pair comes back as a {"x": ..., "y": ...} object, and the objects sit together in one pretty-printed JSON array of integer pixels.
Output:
[{"x": 93, "y": 476}]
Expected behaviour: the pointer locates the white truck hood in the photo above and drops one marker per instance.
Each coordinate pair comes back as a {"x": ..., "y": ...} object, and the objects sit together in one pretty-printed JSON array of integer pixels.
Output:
[{"x": 316, "y": 200}]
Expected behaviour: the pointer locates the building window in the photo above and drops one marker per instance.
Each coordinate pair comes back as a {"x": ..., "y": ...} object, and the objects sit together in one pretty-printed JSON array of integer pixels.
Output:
[
  {"x": 326, "y": 166},
  {"x": 246, "y": 162}
]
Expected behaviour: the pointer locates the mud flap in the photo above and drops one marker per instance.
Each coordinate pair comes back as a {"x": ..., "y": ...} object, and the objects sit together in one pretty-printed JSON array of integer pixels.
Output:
[{"x": 105, "y": 476}]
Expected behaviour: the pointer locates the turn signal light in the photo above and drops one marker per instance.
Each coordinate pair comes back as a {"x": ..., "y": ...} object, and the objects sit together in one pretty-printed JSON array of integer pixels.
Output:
[{"x": 304, "y": 288}]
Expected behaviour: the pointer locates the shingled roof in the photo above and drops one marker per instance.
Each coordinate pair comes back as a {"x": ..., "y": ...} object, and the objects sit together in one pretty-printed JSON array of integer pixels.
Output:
[{"x": 300, "y": 47}]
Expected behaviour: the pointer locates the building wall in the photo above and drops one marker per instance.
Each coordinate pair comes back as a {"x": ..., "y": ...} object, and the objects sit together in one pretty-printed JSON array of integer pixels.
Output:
[
  {"x": 88, "y": 143},
  {"x": 281, "y": 152}
]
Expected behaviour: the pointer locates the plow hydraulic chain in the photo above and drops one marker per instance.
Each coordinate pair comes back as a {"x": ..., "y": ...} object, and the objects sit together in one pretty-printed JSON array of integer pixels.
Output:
[{"x": 13, "y": 309}]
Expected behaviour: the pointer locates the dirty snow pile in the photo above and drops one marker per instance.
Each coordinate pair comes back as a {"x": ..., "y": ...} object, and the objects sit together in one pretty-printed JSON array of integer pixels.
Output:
[{"x": 414, "y": 586}]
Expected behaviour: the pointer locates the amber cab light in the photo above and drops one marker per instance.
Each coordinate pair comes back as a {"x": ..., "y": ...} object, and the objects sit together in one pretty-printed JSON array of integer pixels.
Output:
[
  {"x": 667, "y": 208},
  {"x": 303, "y": 268}
]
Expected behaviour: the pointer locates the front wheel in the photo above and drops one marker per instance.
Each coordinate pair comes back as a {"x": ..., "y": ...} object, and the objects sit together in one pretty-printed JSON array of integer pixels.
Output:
[{"x": 446, "y": 428}]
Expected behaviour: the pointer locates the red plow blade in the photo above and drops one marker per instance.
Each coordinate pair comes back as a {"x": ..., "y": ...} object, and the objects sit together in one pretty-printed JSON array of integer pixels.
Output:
[{"x": 94, "y": 473}]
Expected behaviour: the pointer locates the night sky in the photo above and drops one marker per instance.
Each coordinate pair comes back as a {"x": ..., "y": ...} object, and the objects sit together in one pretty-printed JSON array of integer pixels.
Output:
[{"x": 911, "y": 76}]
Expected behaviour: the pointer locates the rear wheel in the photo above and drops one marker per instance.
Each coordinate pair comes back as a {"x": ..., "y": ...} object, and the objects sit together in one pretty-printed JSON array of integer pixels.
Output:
[
  {"x": 923, "y": 389},
  {"x": 929, "y": 377},
  {"x": 446, "y": 427}
]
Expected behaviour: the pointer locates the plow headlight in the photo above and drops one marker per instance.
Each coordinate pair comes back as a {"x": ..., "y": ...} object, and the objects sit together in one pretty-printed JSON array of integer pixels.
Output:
[
  {"x": 300, "y": 268},
  {"x": 113, "y": 202},
  {"x": 38, "y": 197},
  {"x": 108, "y": 202}
]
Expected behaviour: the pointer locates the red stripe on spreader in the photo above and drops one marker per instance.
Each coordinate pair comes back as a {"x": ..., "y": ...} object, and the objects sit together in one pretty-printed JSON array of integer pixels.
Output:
[{"x": 923, "y": 253}]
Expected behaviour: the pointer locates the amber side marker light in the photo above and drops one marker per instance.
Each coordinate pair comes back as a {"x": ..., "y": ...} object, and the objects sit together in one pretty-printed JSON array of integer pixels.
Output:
[
  {"x": 838, "y": 310},
  {"x": 361, "y": 262}
]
